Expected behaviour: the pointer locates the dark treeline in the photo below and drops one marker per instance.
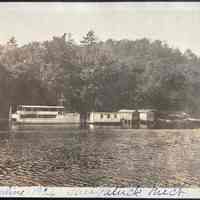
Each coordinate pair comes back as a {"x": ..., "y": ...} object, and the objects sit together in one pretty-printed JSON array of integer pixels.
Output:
[{"x": 99, "y": 76}]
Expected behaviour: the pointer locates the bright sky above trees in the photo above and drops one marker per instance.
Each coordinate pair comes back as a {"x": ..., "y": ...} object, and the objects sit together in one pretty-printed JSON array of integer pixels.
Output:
[{"x": 175, "y": 23}]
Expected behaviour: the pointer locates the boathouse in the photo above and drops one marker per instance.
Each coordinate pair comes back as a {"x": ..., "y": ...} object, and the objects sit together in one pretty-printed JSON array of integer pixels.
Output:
[
  {"x": 129, "y": 118},
  {"x": 141, "y": 118},
  {"x": 104, "y": 118},
  {"x": 148, "y": 118},
  {"x": 72, "y": 117}
]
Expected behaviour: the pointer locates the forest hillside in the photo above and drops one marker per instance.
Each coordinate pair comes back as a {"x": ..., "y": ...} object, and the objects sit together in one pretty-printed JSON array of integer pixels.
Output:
[{"x": 99, "y": 75}]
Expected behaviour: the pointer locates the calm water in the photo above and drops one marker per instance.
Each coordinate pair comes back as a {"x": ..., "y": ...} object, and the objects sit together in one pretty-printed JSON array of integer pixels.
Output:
[{"x": 70, "y": 156}]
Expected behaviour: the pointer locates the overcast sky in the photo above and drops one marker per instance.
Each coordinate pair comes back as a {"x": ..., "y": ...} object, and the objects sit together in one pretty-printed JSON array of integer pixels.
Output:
[{"x": 176, "y": 23}]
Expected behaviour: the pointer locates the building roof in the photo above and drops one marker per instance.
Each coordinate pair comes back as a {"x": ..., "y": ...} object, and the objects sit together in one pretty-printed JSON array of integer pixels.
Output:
[
  {"x": 104, "y": 112},
  {"x": 125, "y": 110},
  {"x": 139, "y": 110},
  {"x": 146, "y": 110}
]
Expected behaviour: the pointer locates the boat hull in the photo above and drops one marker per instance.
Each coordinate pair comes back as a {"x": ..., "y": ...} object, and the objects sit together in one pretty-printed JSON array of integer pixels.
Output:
[{"x": 68, "y": 118}]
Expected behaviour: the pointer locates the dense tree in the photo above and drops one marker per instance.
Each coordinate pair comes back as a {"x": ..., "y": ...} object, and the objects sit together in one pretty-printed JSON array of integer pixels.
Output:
[{"x": 99, "y": 76}]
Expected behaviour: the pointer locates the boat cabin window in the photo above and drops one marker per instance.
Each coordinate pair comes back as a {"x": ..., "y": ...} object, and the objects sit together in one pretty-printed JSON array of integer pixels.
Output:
[
  {"x": 108, "y": 116},
  {"x": 101, "y": 116},
  {"x": 28, "y": 116},
  {"x": 43, "y": 109},
  {"x": 28, "y": 109},
  {"x": 47, "y": 116}
]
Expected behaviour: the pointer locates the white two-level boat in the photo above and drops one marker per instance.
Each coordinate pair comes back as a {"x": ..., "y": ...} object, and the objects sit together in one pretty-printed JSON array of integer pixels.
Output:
[{"x": 29, "y": 114}]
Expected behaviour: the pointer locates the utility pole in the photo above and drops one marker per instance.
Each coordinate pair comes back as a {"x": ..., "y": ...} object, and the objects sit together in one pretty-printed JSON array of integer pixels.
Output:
[{"x": 10, "y": 116}]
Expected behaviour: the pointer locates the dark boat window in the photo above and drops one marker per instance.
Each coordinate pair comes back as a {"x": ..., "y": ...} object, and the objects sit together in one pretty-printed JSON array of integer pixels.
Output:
[
  {"x": 108, "y": 115},
  {"x": 115, "y": 116},
  {"x": 37, "y": 116},
  {"x": 46, "y": 116},
  {"x": 42, "y": 109},
  {"x": 32, "y": 109},
  {"x": 29, "y": 116},
  {"x": 28, "y": 109},
  {"x": 101, "y": 116}
]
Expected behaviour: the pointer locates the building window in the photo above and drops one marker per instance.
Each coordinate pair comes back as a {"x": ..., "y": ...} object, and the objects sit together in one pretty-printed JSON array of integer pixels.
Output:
[
  {"x": 108, "y": 116},
  {"x": 101, "y": 116}
]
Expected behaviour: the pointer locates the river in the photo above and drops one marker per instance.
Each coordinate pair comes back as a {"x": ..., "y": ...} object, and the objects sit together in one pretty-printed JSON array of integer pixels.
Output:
[{"x": 101, "y": 156}]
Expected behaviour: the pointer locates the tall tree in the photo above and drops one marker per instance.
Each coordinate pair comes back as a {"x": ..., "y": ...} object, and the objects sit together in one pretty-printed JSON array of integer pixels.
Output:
[{"x": 90, "y": 39}]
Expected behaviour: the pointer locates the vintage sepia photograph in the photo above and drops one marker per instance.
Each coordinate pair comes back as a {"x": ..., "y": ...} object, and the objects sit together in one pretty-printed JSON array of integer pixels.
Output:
[{"x": 99, "y": 96}]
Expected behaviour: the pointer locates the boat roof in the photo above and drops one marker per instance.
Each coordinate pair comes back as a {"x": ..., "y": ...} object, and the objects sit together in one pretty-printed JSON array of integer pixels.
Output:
[{"x": 38, "y": 106}]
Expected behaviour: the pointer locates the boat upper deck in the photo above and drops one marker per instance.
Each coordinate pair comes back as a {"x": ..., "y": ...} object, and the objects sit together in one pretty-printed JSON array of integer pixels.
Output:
[{"x": 39, "y": 108}]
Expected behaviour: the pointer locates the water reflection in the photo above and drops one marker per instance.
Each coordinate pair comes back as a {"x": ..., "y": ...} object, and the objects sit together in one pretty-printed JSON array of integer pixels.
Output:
[
  {"x": 4, "y": 125},
  {"x": 98, "y": 156}
]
